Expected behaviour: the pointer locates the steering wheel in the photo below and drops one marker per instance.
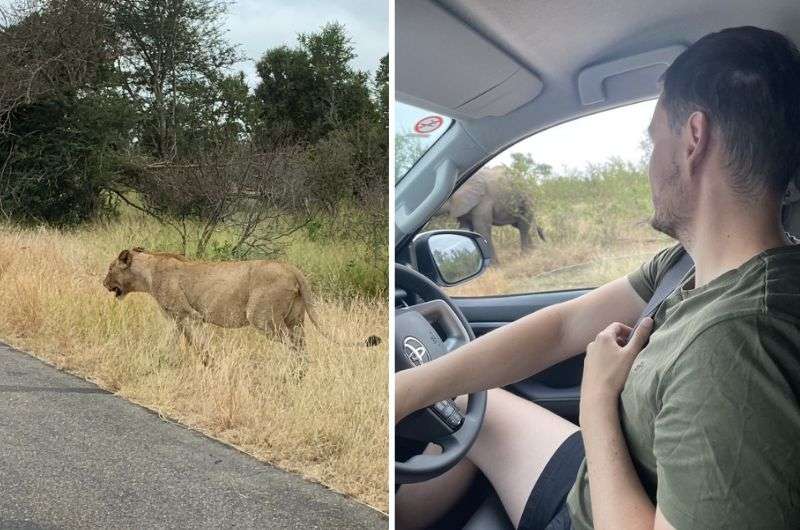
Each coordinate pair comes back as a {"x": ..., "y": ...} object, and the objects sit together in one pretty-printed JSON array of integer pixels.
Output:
[{"x": 424, "y": 332}]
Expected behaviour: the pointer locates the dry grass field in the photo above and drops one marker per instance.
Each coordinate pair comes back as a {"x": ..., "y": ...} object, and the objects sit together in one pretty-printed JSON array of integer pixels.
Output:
[
  {"x": 554, "y": 266},
  {"x": 597, "y": 227},
  {"x": 329, "y": 425}
]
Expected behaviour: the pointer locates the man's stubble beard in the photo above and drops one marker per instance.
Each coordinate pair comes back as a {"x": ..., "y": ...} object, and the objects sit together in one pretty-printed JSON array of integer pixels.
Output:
[{"x": 671, "y": 215}]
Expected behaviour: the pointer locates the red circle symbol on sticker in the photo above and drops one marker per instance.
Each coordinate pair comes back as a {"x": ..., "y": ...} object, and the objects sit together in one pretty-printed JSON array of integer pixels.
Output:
[{"x": 428, "y": 124}]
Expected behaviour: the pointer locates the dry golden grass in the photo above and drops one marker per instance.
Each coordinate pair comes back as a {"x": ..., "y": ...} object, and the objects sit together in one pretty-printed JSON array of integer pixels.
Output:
[
  {"x": 555, "y": 267},
  {"x": 577, "y": 261},
  {"x": 329, "y": 425}
]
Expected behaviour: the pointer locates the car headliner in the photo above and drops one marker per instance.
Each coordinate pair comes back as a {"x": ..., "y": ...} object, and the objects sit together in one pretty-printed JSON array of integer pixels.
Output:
[{"x": 551, "y": 41}]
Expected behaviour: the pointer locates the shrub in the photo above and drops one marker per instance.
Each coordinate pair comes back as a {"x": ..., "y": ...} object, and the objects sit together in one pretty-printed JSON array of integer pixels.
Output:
[{"x": 58, "y": 156}]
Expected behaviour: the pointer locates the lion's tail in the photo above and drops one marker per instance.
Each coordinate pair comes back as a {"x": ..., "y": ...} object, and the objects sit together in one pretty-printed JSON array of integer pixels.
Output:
[{"x": 308, "y": 302}]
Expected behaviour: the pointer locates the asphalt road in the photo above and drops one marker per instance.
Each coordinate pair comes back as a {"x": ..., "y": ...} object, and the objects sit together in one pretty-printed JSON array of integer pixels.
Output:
[{"x": 75, "y": 456}]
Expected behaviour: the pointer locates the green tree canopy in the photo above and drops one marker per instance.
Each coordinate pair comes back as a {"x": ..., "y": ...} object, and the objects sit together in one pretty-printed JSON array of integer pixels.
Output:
[
  {"x": 171, "y": 58},
  {"x": 382, "y": 91},
  {"x": 310, "y": 90},
  {"x": 523, "y": 166}
]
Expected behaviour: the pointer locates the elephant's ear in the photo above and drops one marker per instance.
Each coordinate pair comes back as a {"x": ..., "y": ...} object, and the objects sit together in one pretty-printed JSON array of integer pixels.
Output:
[{"x": 468, "y": 195}]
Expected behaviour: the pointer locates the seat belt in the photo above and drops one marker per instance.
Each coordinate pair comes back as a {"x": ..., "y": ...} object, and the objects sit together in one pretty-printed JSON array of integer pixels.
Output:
[{"x": 668, "y": 284}]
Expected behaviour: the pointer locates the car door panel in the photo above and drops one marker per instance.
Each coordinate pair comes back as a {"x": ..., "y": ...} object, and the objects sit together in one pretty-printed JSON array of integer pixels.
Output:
[{"x": 557, "y": 388}]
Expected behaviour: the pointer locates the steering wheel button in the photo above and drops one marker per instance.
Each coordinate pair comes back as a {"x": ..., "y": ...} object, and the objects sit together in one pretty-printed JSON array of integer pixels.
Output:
[{"x": 454, "y": 420}]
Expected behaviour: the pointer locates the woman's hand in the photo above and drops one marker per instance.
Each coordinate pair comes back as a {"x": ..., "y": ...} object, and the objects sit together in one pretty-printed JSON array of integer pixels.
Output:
[{"x": 608, "y": 361}]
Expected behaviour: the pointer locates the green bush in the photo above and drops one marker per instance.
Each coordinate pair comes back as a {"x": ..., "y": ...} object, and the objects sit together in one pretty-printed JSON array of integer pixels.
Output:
[{"x": 58, "y": 157}]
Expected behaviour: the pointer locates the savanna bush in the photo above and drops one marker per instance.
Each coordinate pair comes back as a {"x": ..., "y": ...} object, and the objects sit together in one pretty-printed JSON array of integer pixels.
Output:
[{"x": 57, "y": 158}]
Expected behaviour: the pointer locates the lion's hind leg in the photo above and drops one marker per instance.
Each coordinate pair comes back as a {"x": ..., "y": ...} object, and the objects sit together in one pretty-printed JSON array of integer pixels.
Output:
[
  {"x": 278, "y": 314},
  {"x": 283, "y": 327}
]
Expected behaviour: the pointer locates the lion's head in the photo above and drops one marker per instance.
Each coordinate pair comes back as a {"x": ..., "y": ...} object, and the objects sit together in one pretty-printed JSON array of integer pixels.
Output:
[{"x": 121, "y": 279}]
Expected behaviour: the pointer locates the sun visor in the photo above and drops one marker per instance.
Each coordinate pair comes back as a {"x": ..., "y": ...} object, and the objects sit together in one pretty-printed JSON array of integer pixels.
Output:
[
  {"x": 626, "y": 79},
  {"x": 444, "y": 65}
]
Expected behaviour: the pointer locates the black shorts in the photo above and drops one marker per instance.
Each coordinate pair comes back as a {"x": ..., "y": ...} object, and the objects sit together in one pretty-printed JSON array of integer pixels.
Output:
[{"x": 546, "y": 508}]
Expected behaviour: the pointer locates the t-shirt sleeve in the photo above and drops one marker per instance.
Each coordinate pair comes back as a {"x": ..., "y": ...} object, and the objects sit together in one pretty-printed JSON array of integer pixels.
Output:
[
  {"x": 645, "y": 279},
  {"x": 726, "y": 434}
]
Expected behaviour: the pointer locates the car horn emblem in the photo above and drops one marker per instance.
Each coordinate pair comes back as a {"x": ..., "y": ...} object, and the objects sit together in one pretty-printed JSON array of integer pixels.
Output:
[{"x": 414, "y": 350}]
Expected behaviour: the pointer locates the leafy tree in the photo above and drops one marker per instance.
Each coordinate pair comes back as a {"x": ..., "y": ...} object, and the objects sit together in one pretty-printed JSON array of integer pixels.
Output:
[
  {"x": 50, "y": 48},
  {"x": 58, "y": 155},
  {"x": 524, "y": 167},
  {"x": 408, "y": 149},
  {"x": 343, "y": 92},
  {"x": 382, "y": 91},
  {"x": 63, "y": 126},
  {"x": 170, "y": 54},
  {"x": 311, "y": 90},
  {"x": 286, "y": 91},
  {"x": 92, "y": 82},
  {"x": 222, "y": 113}
]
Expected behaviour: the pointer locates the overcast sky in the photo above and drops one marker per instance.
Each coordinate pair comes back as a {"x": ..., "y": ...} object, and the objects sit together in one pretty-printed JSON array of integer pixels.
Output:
[
  {"x": 261, "y": 24},
  {"x": 589, "y": 140}
]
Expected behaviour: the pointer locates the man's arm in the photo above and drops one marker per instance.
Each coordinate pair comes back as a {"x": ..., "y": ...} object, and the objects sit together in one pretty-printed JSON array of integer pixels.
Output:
[
  {"x": 619, "y": 500},
  {"x": 518, "y": 350}
]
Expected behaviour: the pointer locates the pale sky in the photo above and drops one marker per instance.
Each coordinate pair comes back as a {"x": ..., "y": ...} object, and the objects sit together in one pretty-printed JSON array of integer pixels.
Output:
[
  {"x": 591, "y": 139},
  {"x": 261, "y": 24}
]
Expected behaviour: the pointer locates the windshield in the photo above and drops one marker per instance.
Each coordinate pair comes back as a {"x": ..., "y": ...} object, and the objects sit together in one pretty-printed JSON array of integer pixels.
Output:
[{"x": 416, "y": 130}]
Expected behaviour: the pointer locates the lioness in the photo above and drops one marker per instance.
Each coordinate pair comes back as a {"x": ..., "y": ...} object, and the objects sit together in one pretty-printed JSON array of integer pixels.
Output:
[{"x": 271, "y": 296}]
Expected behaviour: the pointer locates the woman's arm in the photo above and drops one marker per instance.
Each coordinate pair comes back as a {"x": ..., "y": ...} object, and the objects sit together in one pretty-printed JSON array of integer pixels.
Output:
[{"x": 518, "y": 350}]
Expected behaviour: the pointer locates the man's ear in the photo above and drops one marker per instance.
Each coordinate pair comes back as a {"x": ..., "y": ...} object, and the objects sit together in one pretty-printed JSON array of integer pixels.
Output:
[
  {"x": 125, "y": 258},
  {"x": 698, "y": 129}
]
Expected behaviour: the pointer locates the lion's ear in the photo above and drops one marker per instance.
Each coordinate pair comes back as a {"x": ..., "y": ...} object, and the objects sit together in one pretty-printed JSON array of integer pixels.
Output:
[
  {"x": 138, "y": 249},
  {"x": 125, "y": 258}
]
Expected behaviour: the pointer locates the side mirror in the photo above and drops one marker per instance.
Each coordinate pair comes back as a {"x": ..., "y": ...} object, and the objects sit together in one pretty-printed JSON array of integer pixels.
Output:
[{"x": 450, "y": 257}]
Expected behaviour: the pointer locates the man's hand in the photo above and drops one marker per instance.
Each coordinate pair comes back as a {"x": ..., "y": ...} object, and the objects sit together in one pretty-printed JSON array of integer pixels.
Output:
[{"x": 608, "y": 361}]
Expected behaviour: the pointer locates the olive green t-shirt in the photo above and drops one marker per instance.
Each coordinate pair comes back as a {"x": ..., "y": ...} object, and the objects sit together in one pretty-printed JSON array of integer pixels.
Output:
[{"x": 711, "y": 407}]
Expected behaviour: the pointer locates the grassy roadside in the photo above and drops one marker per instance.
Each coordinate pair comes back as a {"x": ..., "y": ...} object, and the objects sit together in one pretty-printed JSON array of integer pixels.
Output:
[{"x": 330, "y": 425}]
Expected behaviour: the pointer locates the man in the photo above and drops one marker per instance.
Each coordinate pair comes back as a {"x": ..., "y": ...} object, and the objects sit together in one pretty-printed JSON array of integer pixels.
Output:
[{"x": 704, "y": 431}]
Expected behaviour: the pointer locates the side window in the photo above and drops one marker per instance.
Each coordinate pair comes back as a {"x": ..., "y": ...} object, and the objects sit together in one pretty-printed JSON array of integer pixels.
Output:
[{"x": 567, "y": 208}]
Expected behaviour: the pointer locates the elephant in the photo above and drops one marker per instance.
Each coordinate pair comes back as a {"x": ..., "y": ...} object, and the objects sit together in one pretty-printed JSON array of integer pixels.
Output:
[{"x": 489, "y": 198}]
